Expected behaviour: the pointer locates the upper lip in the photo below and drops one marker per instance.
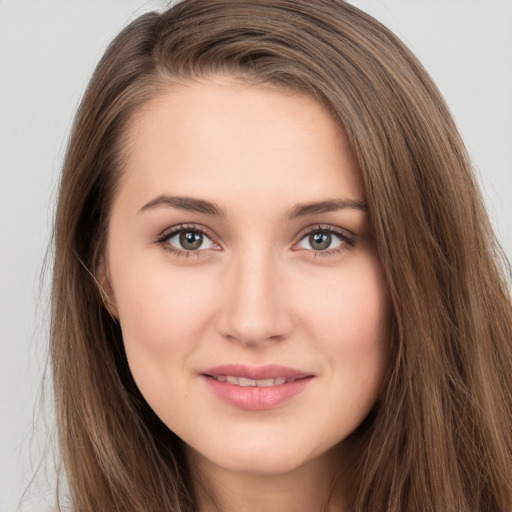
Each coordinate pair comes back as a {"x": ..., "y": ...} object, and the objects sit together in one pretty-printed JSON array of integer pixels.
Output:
[{"x": 270, "y": 371}]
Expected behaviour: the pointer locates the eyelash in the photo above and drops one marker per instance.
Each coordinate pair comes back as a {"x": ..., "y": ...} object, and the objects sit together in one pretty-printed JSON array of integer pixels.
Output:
[
  {"x": 347, "y": 239},
  {"x": 163, "y": 239}
]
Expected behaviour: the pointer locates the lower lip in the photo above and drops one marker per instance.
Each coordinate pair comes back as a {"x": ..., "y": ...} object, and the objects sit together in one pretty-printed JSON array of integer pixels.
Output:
[{"x": 256, "y": 398}]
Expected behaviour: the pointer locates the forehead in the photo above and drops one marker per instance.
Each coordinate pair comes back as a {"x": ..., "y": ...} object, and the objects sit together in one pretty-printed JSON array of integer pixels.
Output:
[{"x": 220, "y": 139}]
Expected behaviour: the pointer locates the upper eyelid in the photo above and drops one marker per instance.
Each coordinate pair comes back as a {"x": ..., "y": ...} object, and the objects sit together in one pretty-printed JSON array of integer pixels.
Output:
[
  {"x": 170, "y": 232},
  {"x": 324, "y": 227},
  {"x": 173, "y": 230}
]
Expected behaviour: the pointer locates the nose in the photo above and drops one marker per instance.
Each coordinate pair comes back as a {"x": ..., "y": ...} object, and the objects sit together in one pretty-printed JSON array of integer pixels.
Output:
[{"x": 255, "y": 307}]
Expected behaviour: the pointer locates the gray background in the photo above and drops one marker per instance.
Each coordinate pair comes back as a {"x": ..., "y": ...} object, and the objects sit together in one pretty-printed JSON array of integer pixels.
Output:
[{"x": 48, "y": 49}]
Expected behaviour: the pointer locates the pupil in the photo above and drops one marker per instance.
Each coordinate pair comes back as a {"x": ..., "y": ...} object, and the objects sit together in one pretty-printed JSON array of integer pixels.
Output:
[
  {"x": 190, "y": 240},
  {"x": 320, "y": 241}
]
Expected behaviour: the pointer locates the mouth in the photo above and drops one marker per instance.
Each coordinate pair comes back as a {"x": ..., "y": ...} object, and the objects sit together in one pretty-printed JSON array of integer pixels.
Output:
[
  {"x": 256, "y": 388},
  {"x": 246, "y": 382}
]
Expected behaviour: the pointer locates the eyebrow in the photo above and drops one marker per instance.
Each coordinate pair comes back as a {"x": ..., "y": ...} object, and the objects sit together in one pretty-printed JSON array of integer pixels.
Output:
[
  {"x": 185, "y": 203},
  {"x": 214, "y": 210},
  {"x": 332, "y": 205}
]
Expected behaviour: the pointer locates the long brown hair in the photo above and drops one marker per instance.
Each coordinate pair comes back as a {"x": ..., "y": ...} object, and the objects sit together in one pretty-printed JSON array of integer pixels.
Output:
[{"x": 440, "y": 436}]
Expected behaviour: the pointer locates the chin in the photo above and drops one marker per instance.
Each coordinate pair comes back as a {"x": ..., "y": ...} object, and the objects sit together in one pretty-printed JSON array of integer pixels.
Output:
[
  {"x": 263, "y": 464},
  {"x": 261, "y": 458}
]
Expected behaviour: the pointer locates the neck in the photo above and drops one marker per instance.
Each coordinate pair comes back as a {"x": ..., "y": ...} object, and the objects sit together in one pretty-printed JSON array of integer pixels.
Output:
[{"x": 313, "y": 487}]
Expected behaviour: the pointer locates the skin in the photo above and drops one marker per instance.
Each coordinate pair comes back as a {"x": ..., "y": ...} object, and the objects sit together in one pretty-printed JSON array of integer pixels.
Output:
[{"x": 256, "y": 292}]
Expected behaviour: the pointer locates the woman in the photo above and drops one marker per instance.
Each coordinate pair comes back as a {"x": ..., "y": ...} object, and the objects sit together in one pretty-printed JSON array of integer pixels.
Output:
[{"x": 275, "y": 285}]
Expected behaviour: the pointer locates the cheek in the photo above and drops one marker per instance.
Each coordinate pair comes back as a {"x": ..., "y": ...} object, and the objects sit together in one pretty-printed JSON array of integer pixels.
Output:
[
  {"x": 352, "y": 311},
  {"x": 352, "y": 322},
  {"x": 163, "y": 313}
]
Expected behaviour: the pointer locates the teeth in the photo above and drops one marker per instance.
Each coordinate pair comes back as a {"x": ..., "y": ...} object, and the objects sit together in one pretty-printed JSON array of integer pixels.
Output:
[
  {"x": 267, "y": 382},
  {"x": 242, "y": 381},
  {"x": 245, "y": 382}
]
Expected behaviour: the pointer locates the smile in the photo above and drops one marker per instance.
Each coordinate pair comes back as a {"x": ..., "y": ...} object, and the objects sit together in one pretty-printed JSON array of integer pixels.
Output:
[
  {"x": 256, "y": 388},
  {"x": 246, "y": 382}
]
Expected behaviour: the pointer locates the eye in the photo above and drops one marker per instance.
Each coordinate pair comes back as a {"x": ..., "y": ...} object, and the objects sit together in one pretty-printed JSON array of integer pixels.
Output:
[
  {"x": 186, "y": 240},
  {"x": 190, "y": 241},
  {"x": 325, "y": 240}
]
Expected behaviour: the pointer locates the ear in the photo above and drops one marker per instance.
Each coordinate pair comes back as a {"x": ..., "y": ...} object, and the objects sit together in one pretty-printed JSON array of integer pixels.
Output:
[{"x": 105, "y": 289}]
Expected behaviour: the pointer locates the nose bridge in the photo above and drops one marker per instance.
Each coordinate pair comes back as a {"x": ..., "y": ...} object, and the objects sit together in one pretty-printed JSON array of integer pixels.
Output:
[{"x": 254, "y": 309}]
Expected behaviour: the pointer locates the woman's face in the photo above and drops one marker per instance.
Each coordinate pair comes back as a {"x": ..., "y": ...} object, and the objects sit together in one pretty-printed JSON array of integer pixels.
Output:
[{"x": 240, "y": 261}]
